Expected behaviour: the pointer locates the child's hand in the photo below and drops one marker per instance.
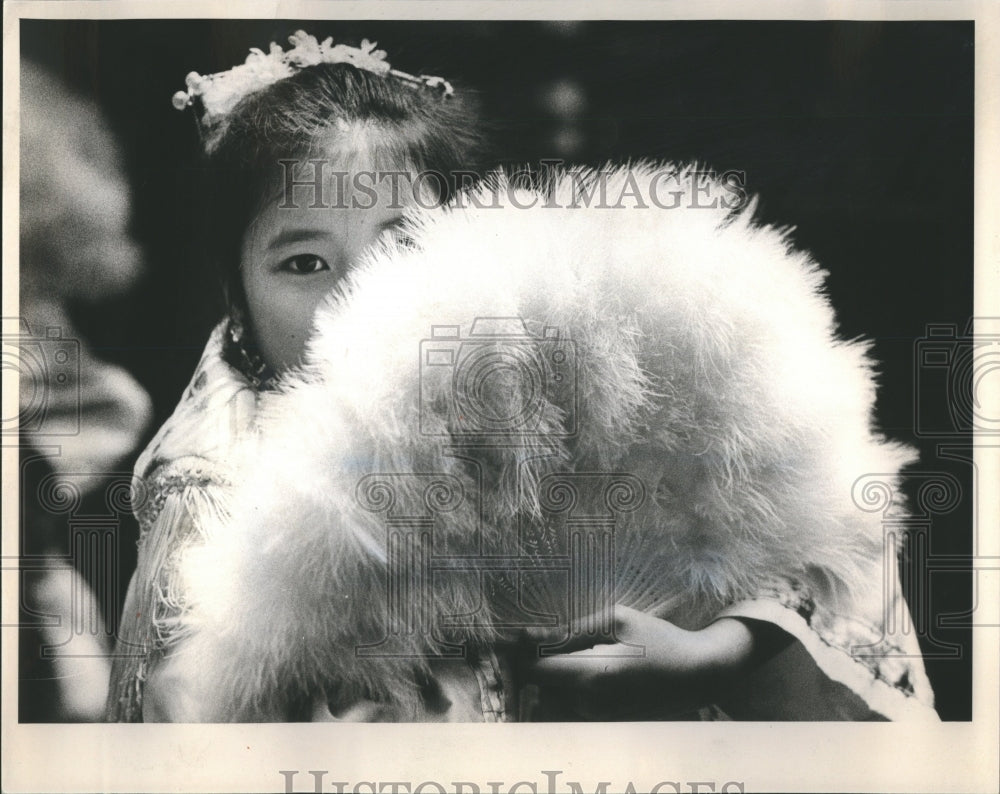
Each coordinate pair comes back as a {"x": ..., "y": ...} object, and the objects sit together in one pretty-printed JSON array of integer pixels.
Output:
[{"x": 654, "y": 667}]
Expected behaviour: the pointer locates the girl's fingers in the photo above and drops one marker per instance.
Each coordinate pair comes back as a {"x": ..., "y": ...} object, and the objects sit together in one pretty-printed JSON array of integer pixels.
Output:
[
  {"x": 558, "y": 640},
  {"x": 579, "y": 668},
  {"x": 621, "y": 618}
]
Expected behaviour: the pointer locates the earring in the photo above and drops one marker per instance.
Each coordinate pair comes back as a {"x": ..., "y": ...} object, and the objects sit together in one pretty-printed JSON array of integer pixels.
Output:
[{"x": 241, "y": 352}]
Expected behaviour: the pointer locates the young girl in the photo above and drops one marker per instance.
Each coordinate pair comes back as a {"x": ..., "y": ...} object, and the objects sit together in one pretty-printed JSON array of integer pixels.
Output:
[
  {"x": 262, "y": 585},
  {"x": 309, "y": 113}
]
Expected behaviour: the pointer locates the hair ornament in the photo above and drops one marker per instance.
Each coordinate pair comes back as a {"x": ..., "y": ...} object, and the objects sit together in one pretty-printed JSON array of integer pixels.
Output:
[{"x": 217, "y": 94}]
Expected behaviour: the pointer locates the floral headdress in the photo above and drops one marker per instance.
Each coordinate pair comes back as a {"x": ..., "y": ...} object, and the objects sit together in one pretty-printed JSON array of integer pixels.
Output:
[{"x": 215, "y": 95}]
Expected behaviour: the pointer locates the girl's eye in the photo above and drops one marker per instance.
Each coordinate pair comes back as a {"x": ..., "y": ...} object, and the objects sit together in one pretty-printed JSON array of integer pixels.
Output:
[{"x": 304, "y": 264}]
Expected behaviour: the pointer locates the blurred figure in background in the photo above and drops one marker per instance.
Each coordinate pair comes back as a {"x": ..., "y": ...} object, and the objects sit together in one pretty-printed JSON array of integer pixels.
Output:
[{"x": 80, "y": 418}]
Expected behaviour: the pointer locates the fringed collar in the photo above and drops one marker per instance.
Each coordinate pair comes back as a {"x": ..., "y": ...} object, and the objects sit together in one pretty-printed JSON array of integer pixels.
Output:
[{"x": 217, "y": 412}]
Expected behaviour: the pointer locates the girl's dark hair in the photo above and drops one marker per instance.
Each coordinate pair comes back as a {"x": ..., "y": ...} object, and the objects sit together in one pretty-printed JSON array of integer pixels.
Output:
[{"x": 296, "y": 117}]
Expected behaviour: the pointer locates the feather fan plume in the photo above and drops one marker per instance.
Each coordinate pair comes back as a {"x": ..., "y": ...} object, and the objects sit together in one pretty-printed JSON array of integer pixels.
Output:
[{"x": 650, "y": 405}]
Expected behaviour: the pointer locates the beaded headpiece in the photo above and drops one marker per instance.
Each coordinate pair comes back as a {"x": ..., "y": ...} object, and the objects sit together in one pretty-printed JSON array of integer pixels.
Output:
[{"x": 215, "y": 95}]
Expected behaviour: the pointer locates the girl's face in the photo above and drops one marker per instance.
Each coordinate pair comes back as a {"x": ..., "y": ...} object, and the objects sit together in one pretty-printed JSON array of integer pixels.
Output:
[{"x": 294, "y": 255}]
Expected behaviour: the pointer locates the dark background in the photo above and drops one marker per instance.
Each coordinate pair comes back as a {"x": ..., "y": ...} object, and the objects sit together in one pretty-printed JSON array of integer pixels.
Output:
[{"x": 858, "y": 134}]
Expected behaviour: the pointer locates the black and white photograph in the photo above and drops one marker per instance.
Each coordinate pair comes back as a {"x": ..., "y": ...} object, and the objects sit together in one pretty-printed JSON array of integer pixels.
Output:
[{"x": 598, "y": 371}]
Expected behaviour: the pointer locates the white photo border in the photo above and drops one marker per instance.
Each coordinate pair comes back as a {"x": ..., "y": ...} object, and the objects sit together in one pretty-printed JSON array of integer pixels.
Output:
[{"x": 960, "y": 756}]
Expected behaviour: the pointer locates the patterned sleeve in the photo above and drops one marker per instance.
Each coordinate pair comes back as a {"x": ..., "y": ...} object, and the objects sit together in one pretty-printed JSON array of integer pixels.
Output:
[
  {"x": 183, "y": 480},
  {"x": 845, "y": 665},
  {"x": 153, "y": 616}
]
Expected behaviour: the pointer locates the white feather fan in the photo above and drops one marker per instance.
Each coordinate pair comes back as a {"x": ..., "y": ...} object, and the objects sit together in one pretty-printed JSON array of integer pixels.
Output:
[{"x": 677, "y": 396}]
